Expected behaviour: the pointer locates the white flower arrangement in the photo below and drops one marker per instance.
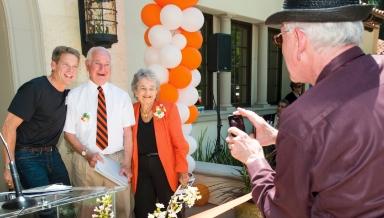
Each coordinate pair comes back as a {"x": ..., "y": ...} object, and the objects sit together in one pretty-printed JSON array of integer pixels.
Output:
[
  {"x": 183, "y": 195},
  {"x": 160, "y": 111},
  {"x": 104, "y": 207}
]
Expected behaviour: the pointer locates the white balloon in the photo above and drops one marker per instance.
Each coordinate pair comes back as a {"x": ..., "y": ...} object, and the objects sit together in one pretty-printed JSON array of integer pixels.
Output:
[
  {"x": 170, "y": 56},
  {"x": 183, "y": 112},
  {"x": 159, "y": 36},
  {"x": 171, "y": 17},
  {"x": 188, "y": 96},
  {"x": 191, "y": 164},
  {"x": 175, "y": 31},
  {"x": 179, "y": 41},
  {"x": 193, "y": 19},
  {"x": 151, "y": 56},
  {"x": 187, "y": 128},
  {"x": 196, "y": 78},
  {"x": 160, "y": 72},
  {"x": 192, "y": 144}
]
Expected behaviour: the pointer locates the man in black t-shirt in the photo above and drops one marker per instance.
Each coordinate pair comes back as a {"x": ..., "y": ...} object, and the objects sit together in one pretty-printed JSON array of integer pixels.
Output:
[{"x": 35, "y": 121}]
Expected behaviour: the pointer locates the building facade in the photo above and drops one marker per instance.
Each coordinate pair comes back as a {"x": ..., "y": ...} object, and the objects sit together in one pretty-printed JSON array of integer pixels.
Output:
[{"x": 31, "y": 29}]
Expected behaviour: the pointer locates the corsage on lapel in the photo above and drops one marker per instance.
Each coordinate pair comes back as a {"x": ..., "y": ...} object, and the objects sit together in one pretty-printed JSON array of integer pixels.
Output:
[
  {"x": 160, "y": 111},
  {"x": 85, "y": 117}
]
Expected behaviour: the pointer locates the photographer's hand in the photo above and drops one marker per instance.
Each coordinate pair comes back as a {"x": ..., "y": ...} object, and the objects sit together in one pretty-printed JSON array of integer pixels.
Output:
[
  {"x": 243, "y": 147},
  {"x": 265, "y": 133}
]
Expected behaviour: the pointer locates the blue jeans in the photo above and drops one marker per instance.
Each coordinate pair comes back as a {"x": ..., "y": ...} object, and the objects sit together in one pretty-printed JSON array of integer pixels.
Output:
[{"x": 40, "y": 168}]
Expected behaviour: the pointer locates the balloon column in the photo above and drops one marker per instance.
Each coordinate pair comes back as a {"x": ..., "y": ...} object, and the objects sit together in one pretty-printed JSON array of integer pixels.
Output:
[{"x": 173, "y": 39}]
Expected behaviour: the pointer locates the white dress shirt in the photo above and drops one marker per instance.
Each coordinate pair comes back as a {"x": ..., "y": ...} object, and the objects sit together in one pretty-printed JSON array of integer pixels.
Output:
[{"x": 82, "y": 115}]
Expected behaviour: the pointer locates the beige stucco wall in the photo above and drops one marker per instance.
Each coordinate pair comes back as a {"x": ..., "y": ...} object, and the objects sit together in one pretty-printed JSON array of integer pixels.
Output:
[
  {"x": 60, "y": 26},
  {"x": 369, "y": 42},
  {"x": 247, "y": 9},
  {"x": 6, "y": 89},
  {"x": 25, "y": 44}
]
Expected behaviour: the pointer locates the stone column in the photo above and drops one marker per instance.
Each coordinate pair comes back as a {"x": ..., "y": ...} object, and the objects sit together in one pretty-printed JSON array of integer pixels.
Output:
[
  {"x": 225, "y": 76},
  {"x": 262, "y": 76}
]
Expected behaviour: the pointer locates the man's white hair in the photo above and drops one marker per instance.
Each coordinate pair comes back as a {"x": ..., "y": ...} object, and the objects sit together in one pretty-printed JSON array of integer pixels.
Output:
[
  {"x": 330, "y": 34},
  {"x": 97, "y": 49}
]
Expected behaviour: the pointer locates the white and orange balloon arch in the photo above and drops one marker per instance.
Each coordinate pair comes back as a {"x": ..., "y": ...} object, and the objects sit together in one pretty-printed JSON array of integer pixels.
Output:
[{"x": 173, "y": 38}]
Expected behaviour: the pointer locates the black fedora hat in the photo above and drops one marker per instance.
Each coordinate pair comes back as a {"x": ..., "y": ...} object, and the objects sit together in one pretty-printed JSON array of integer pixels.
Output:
[{"x": 320, "y": 11}]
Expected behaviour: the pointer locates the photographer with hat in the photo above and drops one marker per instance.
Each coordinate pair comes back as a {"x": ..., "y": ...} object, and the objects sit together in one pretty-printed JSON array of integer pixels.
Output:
[{"x": 330, "y": 143}]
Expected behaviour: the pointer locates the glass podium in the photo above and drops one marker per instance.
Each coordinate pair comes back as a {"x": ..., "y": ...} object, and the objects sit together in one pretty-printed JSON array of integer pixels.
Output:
[{"x": 66, "y": 203}]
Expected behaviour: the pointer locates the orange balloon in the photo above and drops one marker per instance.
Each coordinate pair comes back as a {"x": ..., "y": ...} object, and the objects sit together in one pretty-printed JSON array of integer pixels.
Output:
[
  {"x": 163, "y": 2},
  {"x": 146, "y": 39},
  {"x": 180, "y": 77},
  {"x": 182, "y": 4},
  {"x": 194, "y": 39},
  {"x": 193, "y": 114},
  {"x": 191, "y": 57},
  {"x": 150, "y": 14},
  {"x": 168, "y": 93}
]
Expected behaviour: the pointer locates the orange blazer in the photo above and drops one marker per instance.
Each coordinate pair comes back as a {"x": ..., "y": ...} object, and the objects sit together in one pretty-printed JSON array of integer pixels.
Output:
[{"x": 170, "y": 141}]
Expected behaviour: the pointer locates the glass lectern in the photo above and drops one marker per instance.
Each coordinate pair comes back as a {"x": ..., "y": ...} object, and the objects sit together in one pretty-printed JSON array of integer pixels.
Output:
[{"x": 65, "y": 202}]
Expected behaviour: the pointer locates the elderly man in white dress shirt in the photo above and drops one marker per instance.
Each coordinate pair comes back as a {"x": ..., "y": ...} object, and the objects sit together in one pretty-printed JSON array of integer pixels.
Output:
[{"x": 99, "y": 120}]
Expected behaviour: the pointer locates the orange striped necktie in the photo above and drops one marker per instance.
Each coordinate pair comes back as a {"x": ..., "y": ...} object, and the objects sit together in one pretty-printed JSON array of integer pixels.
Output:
[{"x": 102, "y": 126}]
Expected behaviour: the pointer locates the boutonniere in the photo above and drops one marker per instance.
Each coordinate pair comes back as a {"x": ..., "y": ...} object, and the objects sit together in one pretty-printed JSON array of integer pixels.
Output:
[
  {"x": 85, "y": 117},
  {"x": 160, "y": 111}
]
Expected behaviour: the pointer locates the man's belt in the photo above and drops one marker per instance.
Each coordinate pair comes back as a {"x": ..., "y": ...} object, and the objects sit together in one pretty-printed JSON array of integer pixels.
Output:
[{"x": 37, "y": 149}]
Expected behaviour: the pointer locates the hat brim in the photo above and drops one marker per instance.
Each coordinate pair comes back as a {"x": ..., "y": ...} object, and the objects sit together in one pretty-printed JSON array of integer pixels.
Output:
[{"x": 339, "y": 14}]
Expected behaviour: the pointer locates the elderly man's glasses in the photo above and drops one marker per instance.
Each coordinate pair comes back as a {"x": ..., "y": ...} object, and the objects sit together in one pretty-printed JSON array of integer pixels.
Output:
[{"x": 278, "y": 38}]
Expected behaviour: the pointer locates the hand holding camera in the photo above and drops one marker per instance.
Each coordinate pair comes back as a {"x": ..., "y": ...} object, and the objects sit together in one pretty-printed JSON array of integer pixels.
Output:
[{"x": 236, "y": 121}]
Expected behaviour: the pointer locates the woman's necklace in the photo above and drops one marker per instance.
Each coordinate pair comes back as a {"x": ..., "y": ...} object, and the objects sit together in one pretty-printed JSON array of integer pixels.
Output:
[{"x": 145, "y": 114}]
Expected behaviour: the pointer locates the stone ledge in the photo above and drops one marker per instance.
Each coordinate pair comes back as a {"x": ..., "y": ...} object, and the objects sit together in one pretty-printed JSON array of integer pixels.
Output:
[{"x": 218, "y": 170}]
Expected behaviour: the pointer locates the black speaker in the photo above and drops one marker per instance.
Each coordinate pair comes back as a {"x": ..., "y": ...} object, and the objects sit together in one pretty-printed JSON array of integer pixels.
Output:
[{"x": 219, "y": 52}]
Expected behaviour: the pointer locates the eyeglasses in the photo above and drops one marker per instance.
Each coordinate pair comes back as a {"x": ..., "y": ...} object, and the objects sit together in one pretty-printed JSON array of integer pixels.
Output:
[{"x": 278, "y": 38}]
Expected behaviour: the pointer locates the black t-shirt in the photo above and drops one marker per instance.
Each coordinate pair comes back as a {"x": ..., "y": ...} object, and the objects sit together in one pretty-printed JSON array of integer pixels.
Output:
[
  {"x": 290, "y": 97},
  {"x": 43, "y": 110},
  {"x": 146, "y": 138}
]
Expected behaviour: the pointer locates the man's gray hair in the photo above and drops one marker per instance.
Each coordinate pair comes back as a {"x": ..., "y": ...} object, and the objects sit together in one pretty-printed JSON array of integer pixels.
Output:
[
  {"x": 141, "y": 74},
  {"x": 97, "y": 49},
  {"x": 330, "y": 34}
]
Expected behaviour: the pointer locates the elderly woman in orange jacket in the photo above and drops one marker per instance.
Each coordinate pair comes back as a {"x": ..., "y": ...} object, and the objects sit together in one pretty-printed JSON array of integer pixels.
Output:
[{"x": 159, "y": 149}]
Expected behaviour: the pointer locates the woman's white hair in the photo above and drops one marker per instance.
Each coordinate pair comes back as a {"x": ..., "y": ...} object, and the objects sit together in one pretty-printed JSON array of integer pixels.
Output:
[
  {"x": 330, "y": 34},
  {"x": 141, "y": 74}
]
